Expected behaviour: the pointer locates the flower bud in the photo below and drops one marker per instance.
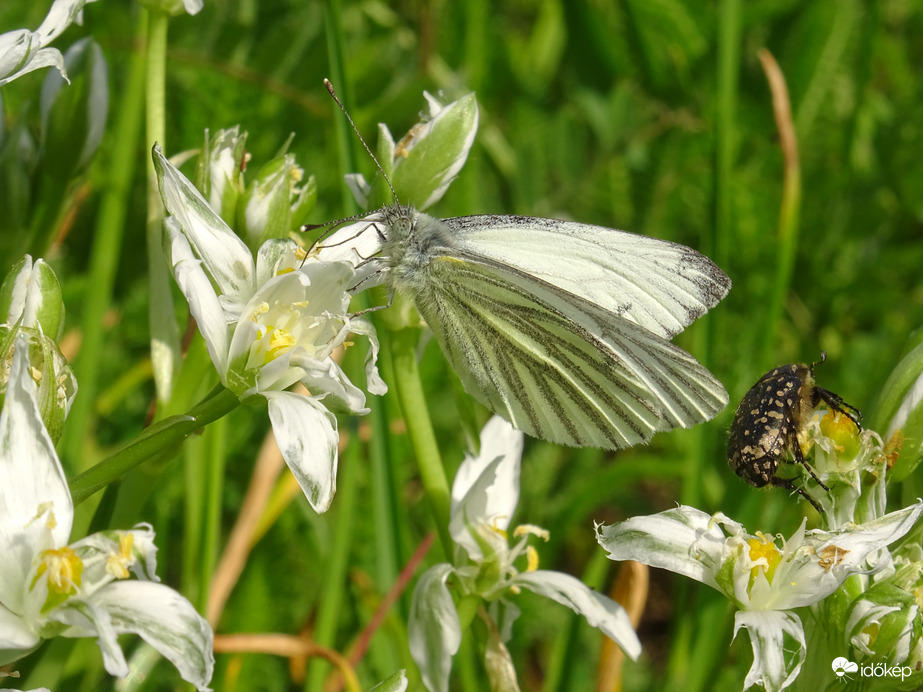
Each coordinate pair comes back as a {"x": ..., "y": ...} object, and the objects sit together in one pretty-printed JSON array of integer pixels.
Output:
[
  {"x": 427, "y": 159},
  {"x": 219, "y": 171},
  {"x": 275, "y": 203},
  {"x": 30, "y": 296},
  {"x": 884, "y": 623},
  {"x": 57, "y": 385}
]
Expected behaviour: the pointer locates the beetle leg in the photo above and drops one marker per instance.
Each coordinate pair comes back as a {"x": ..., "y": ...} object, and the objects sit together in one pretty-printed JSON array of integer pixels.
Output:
[
  {"x": 835, "y": 403},
  {"x": 799, "y": 458},
  {"x": 783, "y": 483}
]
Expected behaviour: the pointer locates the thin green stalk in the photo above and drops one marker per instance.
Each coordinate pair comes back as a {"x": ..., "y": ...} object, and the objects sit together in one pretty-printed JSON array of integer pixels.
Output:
[
  {"x": 681, "y": 663},
  {"x": 402, "y": 348},
  {"x": 791, "y": 202},
  {"x": 409, "y": 390},
  {"x": 384, "y": 489},
  {"x": 164, "y": 332},
  {"x": 159, "y": 438},
  {"x": 195, "y": 459},
  {"x": 345, "y": 137},
  {"x": 718, "y": 242},
  {"x": 385, "y": 483},
  {"x": 196, "y": 378},
  {"x": 107, "y": 248},
  {"x": 729, "y": 38},
  {"x": 204, "y": 460},
  {"x": 215, "y": 472},
  {"x": 560, "y": 669},
  {"x": 333, "y": 591}
]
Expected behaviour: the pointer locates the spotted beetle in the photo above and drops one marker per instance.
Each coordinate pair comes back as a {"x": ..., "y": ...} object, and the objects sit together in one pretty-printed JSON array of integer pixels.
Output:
[{"x": 767, "y": 422}]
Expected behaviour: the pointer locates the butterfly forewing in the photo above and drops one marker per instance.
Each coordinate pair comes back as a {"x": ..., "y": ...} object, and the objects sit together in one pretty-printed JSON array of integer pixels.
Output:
[{"x": 659, "y": 285}]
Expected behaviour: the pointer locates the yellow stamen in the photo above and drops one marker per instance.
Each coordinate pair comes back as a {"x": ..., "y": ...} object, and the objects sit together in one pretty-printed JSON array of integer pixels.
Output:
[
  {"x": 117, "y": 563},
  {"x": 533, "y": 530},
  {"x": 64, "y": 568},
  {"x": 47, "y": 509},
  {"x": 763, "y": 547},
  {"x": 872, "y": 632},
  {"x": 280, "y": 340},
  {"x": 531, "y": 559},
  {"x": 495, "y": 528}
]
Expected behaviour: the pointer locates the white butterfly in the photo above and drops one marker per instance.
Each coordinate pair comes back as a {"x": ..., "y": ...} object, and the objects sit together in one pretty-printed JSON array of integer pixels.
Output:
[{"x": 562, "y": 328}]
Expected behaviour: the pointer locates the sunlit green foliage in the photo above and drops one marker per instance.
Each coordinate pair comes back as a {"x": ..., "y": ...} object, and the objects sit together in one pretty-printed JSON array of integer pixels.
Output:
[{"x": 653, "y": 117}]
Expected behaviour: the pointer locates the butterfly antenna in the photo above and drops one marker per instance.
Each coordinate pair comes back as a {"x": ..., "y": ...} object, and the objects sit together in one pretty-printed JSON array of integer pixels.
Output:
[{"x": 356, "y": 130}]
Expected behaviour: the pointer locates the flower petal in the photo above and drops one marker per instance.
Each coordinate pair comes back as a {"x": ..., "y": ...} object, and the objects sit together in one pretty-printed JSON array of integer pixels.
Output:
[
  {"x": 860, "y": 542},
  {"x": 16, "y": 639},
  {"x": 45, "y": 57},
  {"x": 373, "y": 380},
  {"x": 24, "y": 50},
  {"x": 358, "y": 244},
  {"x": 86, "y": 619},
  {"x": 59, "y": 17},
  {"x": 486, "y": 487},
  {"x": 166, "y": 621},
  {"x": 326, "y": 379},
  {"x": 775, "y": 663},
  {"x": 306, "y": 433},
  {"x": 499, "y": 439},
  {"x": 433, "y": 628},
  {"x": 225, "y": 256},
  {"x": 32, "y": 482},
  {"x": 204, "y": 303},
  {"x": 599, "y": 611},
  {"x": 684, "y": 540}
]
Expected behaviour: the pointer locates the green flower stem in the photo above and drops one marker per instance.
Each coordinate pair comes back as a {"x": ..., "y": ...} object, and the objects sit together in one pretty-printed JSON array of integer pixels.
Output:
[
  {"x": 164, "y": 332},
  {"x": 157, "y": 439},
  {"x": 409, "y": 390},
  {"x": 107, "y": 248},
  {"x": 467, "y": 609}
]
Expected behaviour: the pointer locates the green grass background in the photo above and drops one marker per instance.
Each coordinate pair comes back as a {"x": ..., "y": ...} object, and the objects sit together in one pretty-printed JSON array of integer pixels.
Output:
[{"x": 649, "y": 116}]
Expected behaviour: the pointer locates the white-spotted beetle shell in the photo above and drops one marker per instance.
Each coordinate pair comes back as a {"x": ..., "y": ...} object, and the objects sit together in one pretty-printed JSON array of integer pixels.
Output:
[{"x": 767, "y": 422}]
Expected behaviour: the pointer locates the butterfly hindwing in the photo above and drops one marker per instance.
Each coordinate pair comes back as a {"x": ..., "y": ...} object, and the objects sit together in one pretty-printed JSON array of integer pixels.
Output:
[{"x": 560, "y": 368}]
